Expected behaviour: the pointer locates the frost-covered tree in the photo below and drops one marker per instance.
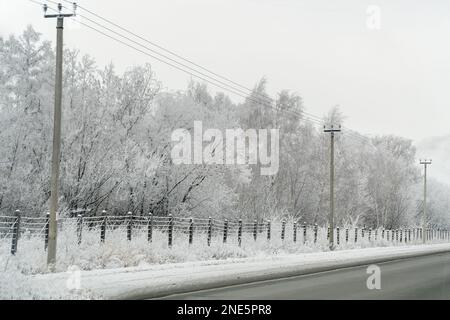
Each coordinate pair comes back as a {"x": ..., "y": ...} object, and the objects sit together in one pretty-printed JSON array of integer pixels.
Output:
[{"x": 116, "y": 150}]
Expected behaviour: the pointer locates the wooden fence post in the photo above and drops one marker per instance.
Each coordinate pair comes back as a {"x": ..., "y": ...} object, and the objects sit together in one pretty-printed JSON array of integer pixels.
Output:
[
  {"x": 356, "y": 234},
  {"x": 209, "y": 231},
  {"x": 295, "y": 232},
  {"x": 16, "y": 232},
  {"x": 255, "y": 229},
  {"x": 79, "y": 227},
  {"x": 129, "y": 225},
  {"x": 304, "y": 232},
  {"x": 191, "y": 230},
  {"x": 103, "y": 227},
  {"x": 150, "y": 228},
  {"x": 170, "y": 233},
  {"x": 225, "y": 231},
  {"x": 240, "y": 233},
  {"x": 47, "y": 230},
  {"x": 315, "y": 233},
  {"x": 338, "y": 237}
]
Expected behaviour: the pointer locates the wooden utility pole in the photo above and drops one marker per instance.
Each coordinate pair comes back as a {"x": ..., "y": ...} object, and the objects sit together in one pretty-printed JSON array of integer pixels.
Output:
[{"x": 332, "y": 131}]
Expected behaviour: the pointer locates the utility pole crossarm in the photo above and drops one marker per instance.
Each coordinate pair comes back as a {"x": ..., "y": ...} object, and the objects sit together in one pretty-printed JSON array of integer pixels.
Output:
[
  {"x": 60, "y": 14},
  {"x": 426, "y": 162},
  {"x": 331, "y": 129}
]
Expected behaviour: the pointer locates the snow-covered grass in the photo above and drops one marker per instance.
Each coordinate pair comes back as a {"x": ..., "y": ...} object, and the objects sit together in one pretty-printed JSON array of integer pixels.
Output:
[
  {"x": 118, "y": 252},
  {"x": 159, "y": 280}
]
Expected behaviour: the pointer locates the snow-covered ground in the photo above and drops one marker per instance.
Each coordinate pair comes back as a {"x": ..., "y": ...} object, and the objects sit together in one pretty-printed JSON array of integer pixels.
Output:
[
  {"x": 122, "y": 268},
  {"x": 146, "y": 281}
]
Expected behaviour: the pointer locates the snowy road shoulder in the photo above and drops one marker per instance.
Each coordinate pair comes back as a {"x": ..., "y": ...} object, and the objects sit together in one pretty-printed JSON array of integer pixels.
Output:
[{"x": 161, "y": 280}]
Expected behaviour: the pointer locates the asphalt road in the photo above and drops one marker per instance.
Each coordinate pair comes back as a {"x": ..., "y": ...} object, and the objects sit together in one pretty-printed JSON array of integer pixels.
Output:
[{"x": 426, "y": 277}]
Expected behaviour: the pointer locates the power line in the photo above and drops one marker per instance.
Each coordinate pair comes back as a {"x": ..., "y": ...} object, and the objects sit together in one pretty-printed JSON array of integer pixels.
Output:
[
  {"x": 175, "y": 54},
  {"x": 158, "y": 46},
  {"x": 220, "y": 85},
  {"x": 356, "y": 135},
  {"x": 303, "y": 115},
  {"x": 158, "y": 53},
  {"x": 250, "y": 98},
  {"x": 165, "y": 56},
  {"x": 318, "y": 120},
  {"x": 172, "y": 53}
]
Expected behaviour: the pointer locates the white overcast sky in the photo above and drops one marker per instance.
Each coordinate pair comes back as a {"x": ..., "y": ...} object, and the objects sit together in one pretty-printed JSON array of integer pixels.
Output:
[{"x": 392, "y": 80}]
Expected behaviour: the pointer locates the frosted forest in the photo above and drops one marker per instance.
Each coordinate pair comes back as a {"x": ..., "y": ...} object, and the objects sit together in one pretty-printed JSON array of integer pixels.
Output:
[{"x": 116, "y": 143}]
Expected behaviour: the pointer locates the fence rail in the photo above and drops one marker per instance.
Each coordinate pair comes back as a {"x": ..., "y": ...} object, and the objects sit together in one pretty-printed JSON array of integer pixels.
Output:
[{"x": 14, "y": 226}]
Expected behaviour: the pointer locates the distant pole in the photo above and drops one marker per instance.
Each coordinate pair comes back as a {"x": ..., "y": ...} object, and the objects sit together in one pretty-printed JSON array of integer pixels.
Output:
[
  {"x": 51, "y": 253},
  {"x": 332, "y": 131},
  {"x": 424, "y": 215}
]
